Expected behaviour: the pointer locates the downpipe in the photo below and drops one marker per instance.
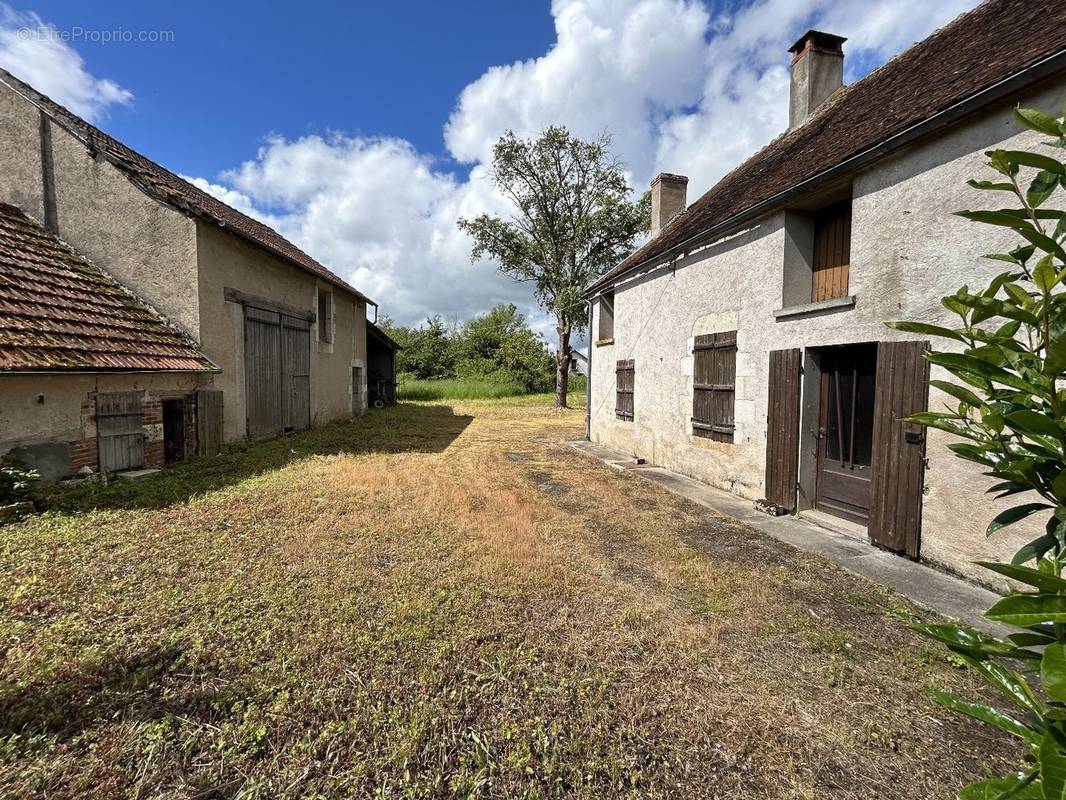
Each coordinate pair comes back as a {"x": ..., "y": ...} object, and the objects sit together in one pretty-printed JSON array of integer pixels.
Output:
[{"x": 588, "y": 380}]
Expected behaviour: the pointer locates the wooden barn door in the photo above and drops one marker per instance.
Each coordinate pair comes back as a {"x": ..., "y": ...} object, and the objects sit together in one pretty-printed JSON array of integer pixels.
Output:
[
  {"x": 262, "y": 370},
  {"x": 277, "y": 372},
  {"x": 296, "y": 372},
  {"x": 782, "y": 428},
  {"x": 898, "y": 447},
  {"x": 119, "y": 431}
]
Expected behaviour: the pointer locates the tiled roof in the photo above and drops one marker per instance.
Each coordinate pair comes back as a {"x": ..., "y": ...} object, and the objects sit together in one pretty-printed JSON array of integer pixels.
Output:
[
  {"x": 167, "y": 187},
  {"x": 60, "y": 312},
  {"x": 976, "y": 51}
]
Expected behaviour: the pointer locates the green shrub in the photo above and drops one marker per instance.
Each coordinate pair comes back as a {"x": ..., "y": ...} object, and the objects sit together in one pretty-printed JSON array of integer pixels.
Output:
[
  {"x": 15, "y": 483},
  {"x": 1008, "y": 413}
]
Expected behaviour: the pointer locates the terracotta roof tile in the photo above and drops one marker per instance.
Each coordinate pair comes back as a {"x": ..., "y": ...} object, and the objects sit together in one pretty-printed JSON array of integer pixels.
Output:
[
  {"x": 976, "y": 51},
  {"x": 167, "y": 187},
  {"x": 60, "y": 312}
]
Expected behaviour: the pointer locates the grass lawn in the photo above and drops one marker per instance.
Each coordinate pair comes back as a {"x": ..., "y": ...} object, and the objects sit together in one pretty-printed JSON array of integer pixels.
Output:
[{"x": 446, "y": 600}]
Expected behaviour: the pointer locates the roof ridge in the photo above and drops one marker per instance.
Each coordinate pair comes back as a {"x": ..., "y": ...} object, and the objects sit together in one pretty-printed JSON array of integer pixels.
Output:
[
  {"x": 973, "y": 57},
  {"x": 198, "y": 202}
]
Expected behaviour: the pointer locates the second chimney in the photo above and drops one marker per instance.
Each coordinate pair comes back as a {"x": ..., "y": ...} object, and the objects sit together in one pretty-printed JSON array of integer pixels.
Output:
[
  {"x": 817, "y": 72},
  {"x": 667, "y": 199}
]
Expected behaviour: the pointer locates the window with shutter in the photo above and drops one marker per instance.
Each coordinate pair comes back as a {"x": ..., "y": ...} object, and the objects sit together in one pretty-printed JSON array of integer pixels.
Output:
[
  {"x": 325, "y": 316},
  {"x": 832, "y": 252},
  {"x": 624, "y": 372},
  {"x": 605, "y": 324},
  {"x": 713, "y": 385}
]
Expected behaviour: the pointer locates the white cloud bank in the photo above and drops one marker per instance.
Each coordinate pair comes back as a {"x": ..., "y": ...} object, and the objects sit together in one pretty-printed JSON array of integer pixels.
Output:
[
  {"x": 34, "y": 51},
  {"x": 681, "y": 87}
]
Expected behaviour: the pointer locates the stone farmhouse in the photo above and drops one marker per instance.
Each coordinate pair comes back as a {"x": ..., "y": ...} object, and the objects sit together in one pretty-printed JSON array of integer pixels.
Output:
[
  {"x": 744, "y": 344},
  {"x": 141, "y": 319}
]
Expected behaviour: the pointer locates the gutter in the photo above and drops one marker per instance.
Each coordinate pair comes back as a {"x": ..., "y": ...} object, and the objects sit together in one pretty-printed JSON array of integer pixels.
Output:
[{"x": 1032, "y": 74}]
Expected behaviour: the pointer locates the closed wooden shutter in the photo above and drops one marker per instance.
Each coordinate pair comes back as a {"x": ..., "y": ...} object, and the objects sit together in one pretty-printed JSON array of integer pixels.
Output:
[
  {"x": 208, "y": 422},
  {"x": 832, "y": 252},
  {"x": 782, "y": 428},
  {"x": 898, "y": 467},
  {"x": 624, "y": 375},
  {"x": 119, "y": 431},
  {"x": 714, "y": 385}
]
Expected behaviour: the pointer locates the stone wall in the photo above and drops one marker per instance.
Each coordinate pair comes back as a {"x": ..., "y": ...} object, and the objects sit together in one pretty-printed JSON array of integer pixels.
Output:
[{"x": 907, "y": 251}]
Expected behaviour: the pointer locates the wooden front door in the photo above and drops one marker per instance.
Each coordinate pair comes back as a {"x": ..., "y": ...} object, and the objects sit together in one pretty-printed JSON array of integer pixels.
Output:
[{"x": 846, "y": 431}]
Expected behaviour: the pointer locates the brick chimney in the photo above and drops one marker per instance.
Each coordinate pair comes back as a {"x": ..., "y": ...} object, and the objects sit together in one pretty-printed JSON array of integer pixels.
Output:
[
  {"x": 667, "y": 199},
  {"x": 817, "y": 72}
]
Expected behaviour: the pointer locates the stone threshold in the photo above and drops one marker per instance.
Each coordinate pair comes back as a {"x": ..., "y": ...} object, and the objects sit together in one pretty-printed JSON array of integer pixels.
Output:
[{"x": 922, "y": 585}]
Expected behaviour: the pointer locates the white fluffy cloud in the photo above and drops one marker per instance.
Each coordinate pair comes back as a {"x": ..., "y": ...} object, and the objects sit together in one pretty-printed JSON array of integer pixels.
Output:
[
  {"x": 682, "y": 86},
  {"x": 681, "y": 89},
  {"x": 34, "y": 51}
]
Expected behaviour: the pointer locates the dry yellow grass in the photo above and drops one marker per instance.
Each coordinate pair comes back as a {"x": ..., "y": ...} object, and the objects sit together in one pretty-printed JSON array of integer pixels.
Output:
[{"x": 444, "y": 601}]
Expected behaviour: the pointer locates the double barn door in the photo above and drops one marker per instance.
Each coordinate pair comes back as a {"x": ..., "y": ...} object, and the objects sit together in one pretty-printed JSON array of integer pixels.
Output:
[
  {"x": 277, "y": 363},
  {"x": 868, "y": 463}
]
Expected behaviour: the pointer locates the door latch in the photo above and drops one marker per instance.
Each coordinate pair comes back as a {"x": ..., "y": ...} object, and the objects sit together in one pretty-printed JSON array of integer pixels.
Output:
[{"x": 913, "y": 437}]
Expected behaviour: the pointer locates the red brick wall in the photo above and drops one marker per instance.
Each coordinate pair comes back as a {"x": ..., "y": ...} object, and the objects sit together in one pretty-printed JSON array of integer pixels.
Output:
[{"x": 83, "y": 452}]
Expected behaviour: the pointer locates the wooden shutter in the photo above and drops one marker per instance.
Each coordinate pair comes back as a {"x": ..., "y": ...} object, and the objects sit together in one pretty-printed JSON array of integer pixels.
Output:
[
  {"x": 832, "y": 252},
  {"x": 624, "y": 375},
  {"x": 296, "y": 373},
  {"x": 782, "y": 428},
  {"x": 714, "y": 385},
  {"x": 208, "y": 422},
  {"x": 119, "y": 431},
  {"x": 898, "y": 448}
]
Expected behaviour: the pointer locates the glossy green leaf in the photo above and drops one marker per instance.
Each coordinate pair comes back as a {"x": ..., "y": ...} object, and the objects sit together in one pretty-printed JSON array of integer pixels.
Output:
[
  {"x": 1034, "y": 550},
  {"x": 988, "y": 715},
  {"x": 1020, "y": 785},
  {"x": 1027, "y": 575},
  {"x": 1029, "y": 609},
  {"x": 965, "y": 363},
  {"x": 1052, "y": 767},
  {"x": 1015, "y": 514},
  {"x": 1041, "y": 188},
  {"x": 1045, "y": 276},
  {"x": 1035, "y": 160},
  {"x": 927, "y": 330},
  {"x": 1043, "y": 242},
  {"x": 1053, "y": 671},
  {"x": 1038, "y": 121},
  {"x": 958, "y": 392},
  {"x": 1034, "y": 422}
]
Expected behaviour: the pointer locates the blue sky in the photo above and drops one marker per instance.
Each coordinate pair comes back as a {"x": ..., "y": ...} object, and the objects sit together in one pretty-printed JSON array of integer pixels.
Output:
[
  {"x": 362, "y": 131},
  {"x": 237, "y": 71}
]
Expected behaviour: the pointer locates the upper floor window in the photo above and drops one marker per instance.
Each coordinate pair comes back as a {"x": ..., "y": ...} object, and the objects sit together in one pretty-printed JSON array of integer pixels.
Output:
[
  {"x": 325, "y": 316},
  {"x": 605, "y": 316},
  {"x": 831, "y": 258}
]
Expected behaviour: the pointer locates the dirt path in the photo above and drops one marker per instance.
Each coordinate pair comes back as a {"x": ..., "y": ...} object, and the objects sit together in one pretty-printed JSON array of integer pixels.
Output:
[{"x": 448, "y": 601}]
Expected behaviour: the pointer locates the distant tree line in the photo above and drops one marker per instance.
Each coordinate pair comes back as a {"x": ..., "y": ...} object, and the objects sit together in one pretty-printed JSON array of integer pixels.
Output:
[{"x": 496, "y": 346}]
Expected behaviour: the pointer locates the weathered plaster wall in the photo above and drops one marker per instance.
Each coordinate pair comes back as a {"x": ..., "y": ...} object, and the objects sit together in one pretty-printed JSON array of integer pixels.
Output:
[
  {"x": 907, "y": 251},
  {"x": 51, "y": 418},
  {"x": 227, "y": 261},
  {"x": 146, "y": 245}
]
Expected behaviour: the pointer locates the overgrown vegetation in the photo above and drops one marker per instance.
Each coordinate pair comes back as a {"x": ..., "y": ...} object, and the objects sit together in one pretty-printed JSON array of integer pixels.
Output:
[
  {"x": 447, "y": 601},
  {"x": 492, "y": 355},
  {"x": 15, "y": 483},
  {"x": 1008, "y": 356}
]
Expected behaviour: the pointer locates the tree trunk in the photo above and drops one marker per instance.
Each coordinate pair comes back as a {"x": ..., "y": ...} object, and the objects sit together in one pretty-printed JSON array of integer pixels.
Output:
[{"x": 563, "y": 357}]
